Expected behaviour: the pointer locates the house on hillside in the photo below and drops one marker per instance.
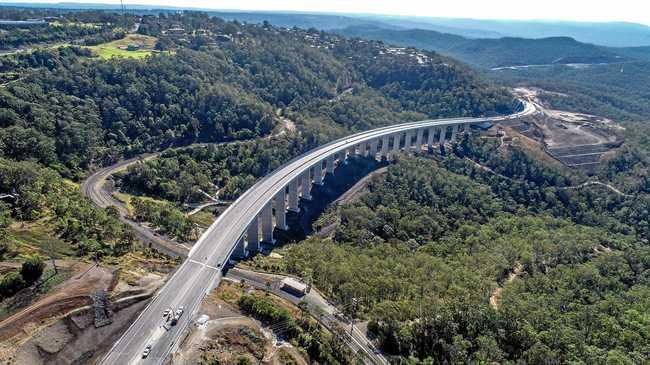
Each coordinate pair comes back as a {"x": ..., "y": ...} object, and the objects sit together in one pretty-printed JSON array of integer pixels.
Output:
[{"x": 176, "y": 32}]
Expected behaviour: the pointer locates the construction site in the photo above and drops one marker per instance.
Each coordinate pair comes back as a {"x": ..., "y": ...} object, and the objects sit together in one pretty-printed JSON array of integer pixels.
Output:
[
  {"x": 577, "y": 140},
  {"x": 80, "y": 318}
]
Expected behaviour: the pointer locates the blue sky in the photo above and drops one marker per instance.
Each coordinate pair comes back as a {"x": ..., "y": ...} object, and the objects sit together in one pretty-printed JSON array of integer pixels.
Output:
[{"x": 637, "y": 11}]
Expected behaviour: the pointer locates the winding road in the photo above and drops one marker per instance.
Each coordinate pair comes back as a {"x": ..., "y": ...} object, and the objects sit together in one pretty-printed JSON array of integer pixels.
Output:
[
  {"x": 236, "y": 229},
  {"x": 94, "y": 189}
]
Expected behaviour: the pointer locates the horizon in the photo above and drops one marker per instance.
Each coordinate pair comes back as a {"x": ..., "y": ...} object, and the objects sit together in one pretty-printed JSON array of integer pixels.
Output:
[{"x": 458, "y": 10}]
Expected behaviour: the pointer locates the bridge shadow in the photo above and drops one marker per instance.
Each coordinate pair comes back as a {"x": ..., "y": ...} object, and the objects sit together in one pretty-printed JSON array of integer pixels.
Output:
[{"x": 344, "y": 177}]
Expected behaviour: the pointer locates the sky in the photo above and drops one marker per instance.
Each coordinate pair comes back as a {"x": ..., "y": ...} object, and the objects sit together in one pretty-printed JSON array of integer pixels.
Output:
[{"x": 637, "y": 11}]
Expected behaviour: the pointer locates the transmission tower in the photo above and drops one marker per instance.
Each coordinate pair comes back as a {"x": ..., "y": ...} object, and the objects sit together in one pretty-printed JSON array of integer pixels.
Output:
[{"x": 123, "y": 14}]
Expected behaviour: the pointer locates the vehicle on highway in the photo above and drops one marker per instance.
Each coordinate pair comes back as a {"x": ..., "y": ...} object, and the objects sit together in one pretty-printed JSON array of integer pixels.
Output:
[
  {"x": 146, "y": 351},
  {"x": 177, "y": 315},
  {"x": 167, "y": 312}
]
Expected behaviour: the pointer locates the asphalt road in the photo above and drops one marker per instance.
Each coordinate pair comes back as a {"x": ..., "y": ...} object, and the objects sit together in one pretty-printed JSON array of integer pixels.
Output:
[
  {"x": 93, "y": 188},
  {"x": 199, "y": 274}
]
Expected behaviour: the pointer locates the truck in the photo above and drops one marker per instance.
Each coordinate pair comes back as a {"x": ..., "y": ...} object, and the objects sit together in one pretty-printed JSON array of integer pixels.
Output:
[
  {"x": 294, "y": 287},
  {"x": 177, "y": 315}
]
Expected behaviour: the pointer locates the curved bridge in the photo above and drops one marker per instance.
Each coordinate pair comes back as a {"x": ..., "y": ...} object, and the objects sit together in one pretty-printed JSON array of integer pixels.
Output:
[{"x": 252, "y": 218}]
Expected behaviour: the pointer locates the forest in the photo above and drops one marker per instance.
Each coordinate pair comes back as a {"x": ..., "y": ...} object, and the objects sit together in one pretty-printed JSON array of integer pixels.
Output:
[
  {"x": 228, "y": 169},
  {"x": 204, "y": 92},
  {"x": 40, "y": 195},
  {"x": 65, "y": 112},
  {"x": 452, "y": 264},
  {"x": 496, "y": 52},
  {"x": 80, "y": 28},
  {"x": 447, "y": 262},
  {"x": 618, "y": 91}
]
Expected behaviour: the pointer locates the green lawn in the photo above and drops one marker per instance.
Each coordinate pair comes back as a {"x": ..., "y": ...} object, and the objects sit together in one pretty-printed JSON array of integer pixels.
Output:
[{"x": 118, "y": 48}]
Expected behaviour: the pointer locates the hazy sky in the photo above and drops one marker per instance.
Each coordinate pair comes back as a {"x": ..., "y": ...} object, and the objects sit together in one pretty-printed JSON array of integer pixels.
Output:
[{"x": 637, "y": 11}]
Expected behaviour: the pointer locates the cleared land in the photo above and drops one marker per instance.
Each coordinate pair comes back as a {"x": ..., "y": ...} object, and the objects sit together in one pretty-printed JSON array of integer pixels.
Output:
[
  {"x": 59, "y": 327},
  {"x": 132, "y": 46},
  {"x": 226, "y": 336},
  {"x": 577, "y": 140}
]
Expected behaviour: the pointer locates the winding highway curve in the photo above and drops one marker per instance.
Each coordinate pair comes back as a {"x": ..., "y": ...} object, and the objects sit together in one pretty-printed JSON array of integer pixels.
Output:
[
  {"x": 260, "y": 210},
  {"x": 93, "y": 189}
]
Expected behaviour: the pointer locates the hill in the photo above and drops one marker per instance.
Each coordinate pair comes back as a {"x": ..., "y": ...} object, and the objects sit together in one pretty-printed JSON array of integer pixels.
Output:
[
  {"x": 439, "y": 254},
  {"x": 613, "y": 34},
  {"x": 501, "y": 52},
  {"x": 65, "y": 111},
  {"x": 617, "y": 91},
  {"x": 221, "y": 81}
]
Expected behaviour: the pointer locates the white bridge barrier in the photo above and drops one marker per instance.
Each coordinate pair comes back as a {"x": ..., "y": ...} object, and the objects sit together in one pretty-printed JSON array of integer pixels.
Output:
[{"x": 252, "y": 218}]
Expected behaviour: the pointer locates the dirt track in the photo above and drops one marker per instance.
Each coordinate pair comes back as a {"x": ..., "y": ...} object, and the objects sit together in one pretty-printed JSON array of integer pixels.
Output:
[{"x": 69, "y": 295}]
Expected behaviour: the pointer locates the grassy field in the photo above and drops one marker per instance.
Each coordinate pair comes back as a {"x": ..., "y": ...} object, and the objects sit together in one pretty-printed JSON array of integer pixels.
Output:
[
  {"x": 119, "y": 47},
  {"x": 36, "y": 237},
  {"x": 127, "y": 198},
  {"x": 203, "y": 218}
]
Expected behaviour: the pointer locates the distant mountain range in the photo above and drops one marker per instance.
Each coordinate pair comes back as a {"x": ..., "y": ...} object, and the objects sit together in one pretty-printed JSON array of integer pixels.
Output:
[
  {"x": 612, "y": 34},
  {"x": 482, "y": 43},
  {"x": 501, "y": 52}
]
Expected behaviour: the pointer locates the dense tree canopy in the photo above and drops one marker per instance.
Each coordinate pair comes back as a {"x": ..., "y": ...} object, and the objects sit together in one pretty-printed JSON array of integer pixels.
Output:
[
  {"x": 75, "y": 111},
  {"x": 182, "y": 175},
  {"x": 453, "y": 264}
]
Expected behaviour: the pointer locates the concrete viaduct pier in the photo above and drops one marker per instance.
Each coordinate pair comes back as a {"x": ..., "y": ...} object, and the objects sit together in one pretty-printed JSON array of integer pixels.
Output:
[
  {"x": 273, "y": 215},
  {"x": 253, "y": 217}
]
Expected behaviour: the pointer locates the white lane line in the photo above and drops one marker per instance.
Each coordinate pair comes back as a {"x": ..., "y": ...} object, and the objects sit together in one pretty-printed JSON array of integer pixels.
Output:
[
  {"x": 269, "y": 182},
  {"x": 204, "y": 264}
]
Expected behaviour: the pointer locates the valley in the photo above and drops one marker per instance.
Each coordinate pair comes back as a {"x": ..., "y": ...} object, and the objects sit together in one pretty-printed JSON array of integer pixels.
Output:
[{"x": 235, "y": 187}]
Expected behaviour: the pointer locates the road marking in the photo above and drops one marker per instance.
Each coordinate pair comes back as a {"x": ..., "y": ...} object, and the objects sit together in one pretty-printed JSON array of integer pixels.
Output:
[
  {"x": 251, "y": 203},
  {"x": 204, "y": 264}
]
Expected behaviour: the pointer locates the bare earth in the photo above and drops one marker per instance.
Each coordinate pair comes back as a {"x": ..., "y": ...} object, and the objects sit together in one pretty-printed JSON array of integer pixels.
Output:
[
  {"x": 225, "y": 333},
  {"x": 59, "y": 328},
  {"x": 577, "y": 140}
]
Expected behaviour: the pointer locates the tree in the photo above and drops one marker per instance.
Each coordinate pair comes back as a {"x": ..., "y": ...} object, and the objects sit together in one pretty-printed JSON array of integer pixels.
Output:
[
  {"x": 32, "y": 269},
  {"x": 10, "y": 284}
]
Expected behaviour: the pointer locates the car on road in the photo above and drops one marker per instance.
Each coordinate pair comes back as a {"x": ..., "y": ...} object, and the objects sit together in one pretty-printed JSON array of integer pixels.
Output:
[
  {"x": 146, "y": 351},
  {"x": 167, "y": 312},
  {"x": 177, "y": 315}
]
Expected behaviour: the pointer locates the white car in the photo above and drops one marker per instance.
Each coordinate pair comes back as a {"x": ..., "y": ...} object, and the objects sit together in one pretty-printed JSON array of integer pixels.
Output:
[
  {"x": 179, "y": 311},
  {"x": 146, "y": 351},
  {"x": 167, "y": 312}
]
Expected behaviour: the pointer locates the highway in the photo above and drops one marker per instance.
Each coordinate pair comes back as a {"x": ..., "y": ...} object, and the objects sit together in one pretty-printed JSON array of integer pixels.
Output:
[{"x": 200, "y": 272}]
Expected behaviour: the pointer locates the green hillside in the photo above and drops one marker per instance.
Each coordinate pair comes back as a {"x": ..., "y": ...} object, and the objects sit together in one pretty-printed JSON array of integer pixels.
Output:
[{"x": 500, "y": 52}]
